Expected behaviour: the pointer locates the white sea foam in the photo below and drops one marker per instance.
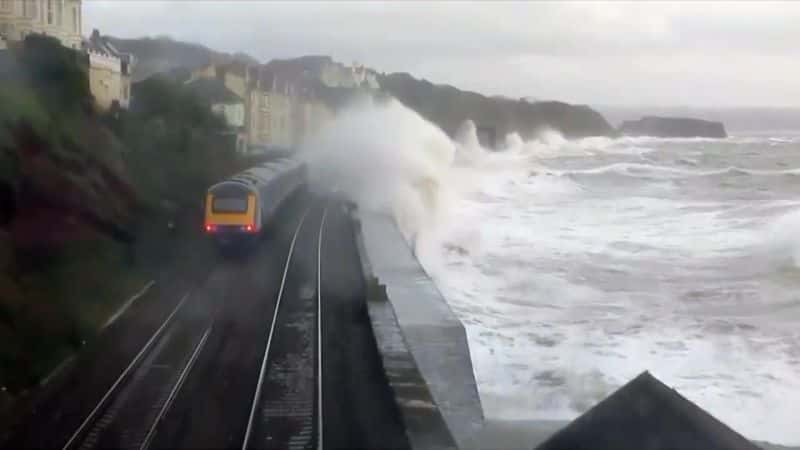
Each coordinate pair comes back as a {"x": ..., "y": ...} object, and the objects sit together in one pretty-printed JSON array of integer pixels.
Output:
[
  {"x": 567, "y": 293},
  {"x": 781, "y": 240},
  {"x": 568, "y": 288},
  {"x": 666, "y": 172},
  {"x": 387, "y": 158}
]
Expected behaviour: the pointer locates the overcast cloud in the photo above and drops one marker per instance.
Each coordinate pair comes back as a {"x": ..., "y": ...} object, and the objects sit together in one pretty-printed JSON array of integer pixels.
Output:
[{"x": 615, "y": 53}]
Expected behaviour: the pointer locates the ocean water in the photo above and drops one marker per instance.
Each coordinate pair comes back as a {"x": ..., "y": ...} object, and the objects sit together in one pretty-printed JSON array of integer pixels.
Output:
[{"x": 576, "y": 265}]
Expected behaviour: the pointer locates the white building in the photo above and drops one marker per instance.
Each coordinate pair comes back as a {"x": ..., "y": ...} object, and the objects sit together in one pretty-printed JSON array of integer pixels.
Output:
[
  {"x": 232, "y": 112},
  {"x": 334, "y": 74},
  {"x": 109, "y": 72},
  {"x": 225, "y": 103}
]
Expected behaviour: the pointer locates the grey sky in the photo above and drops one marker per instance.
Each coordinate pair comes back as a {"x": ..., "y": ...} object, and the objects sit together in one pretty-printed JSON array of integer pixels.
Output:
[{"x": 615, "y": 53}]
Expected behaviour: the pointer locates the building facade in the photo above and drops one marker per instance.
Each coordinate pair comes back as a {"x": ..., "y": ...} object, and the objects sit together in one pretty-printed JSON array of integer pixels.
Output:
[
  {"x": 109, "y": 72},
  {"x": 279, "y": 107},
  {"x": 236, "y": 77},
  {"x": 268, "y": 102},
  {"x": 233, "y": 112},
  {"x": 61, "y": 19},
  {"x": 224, "y": 102},
  {"x": 109, "y": 69},
  {"x": 334, "y": 74},
  {"x": 272, "y": 101}
]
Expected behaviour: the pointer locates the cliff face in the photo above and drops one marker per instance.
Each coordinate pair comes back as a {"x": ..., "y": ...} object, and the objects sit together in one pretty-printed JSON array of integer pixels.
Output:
[
  {"x": 673, "y": 127},
  {"x": 449, "y": 107}
]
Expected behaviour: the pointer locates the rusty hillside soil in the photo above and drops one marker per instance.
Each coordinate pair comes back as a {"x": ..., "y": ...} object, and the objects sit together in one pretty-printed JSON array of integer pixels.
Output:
[{"x": 82, "y": 192}]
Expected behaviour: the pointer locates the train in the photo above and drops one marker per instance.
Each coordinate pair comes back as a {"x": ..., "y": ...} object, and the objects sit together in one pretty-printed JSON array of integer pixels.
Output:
[{"x": 240, "y": 209}]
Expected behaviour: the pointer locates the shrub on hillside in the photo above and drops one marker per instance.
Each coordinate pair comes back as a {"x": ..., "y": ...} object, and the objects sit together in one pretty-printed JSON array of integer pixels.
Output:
[
  {"x": 55, "y": 72},
  {"x": 71, "y": 183},
  {"x": 175, "y": 145}
]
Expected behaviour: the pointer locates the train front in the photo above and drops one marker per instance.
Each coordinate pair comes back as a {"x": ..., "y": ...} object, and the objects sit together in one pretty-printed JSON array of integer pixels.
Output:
[{"x": 232, "y": 213}]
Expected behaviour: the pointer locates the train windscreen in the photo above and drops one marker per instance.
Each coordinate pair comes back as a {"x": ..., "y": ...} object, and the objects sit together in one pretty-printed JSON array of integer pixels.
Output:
[{"x": 229, "y": 205}]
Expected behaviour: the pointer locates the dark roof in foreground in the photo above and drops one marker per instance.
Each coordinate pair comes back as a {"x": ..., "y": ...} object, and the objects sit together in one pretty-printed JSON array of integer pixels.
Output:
[{"x": 645, "y": 414}]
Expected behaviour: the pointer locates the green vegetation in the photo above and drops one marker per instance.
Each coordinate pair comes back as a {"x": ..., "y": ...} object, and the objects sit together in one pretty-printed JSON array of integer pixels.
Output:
[
  {"x": 56, "y": 73},
  {"x": 175, "y": 146},
  {"x": 82, "y": 194}
]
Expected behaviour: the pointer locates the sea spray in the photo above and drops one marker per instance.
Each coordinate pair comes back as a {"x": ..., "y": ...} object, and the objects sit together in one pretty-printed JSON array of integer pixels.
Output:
[
  {"x": 781, "y": 245},
  {"x": 386, "y": 158}
]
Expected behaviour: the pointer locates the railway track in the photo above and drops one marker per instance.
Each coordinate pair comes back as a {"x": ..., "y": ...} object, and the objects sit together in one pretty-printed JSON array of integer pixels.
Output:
[
  {"x": 286, "y": 409},
  {"x": 286, "y": 405},
  {"x": 148, "y": 439},
  {"x": 124, "y": 415},
  {"x": 239, "y": 361},
  {"x": 149, "y": 399}
]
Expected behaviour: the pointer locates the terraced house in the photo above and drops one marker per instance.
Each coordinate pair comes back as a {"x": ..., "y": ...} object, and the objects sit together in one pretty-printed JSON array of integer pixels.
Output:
[
  {"x": 109, "y": 72},
  {"x": 279, "y": 105},
  {"x": 60, "y": 19},
  {"x": 109, "y": 69}
]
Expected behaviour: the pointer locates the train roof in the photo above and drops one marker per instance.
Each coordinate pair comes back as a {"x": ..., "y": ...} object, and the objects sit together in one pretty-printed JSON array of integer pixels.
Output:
[
  {"x": 228, "y": 185},
  {"x": 265, "y": 172}
]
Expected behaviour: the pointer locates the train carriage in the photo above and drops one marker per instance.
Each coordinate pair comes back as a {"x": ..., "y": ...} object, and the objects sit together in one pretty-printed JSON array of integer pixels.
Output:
[{"x": 239, "y": 210}]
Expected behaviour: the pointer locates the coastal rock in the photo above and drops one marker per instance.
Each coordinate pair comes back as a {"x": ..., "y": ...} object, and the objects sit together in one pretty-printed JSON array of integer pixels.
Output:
[
  {"x": 449, "y": 107},
  {"x": 673, "y": 127}
]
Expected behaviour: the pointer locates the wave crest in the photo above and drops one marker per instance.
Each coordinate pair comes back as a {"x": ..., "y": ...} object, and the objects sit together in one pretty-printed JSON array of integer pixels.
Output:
[
  {"x": 781, "y": 241},
  {"x": 666, "y": 172},
  {"x": 386, "y": 158}
]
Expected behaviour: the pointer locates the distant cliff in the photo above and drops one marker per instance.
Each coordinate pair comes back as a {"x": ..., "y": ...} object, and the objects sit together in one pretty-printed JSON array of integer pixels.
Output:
[
  {"x": 449, "y": 107},
  {"x": 673, "y": 127}
]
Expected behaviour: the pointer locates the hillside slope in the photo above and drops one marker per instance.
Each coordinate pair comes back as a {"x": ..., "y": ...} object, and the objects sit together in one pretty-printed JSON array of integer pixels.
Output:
[
  {"x": 449, "y": 107},
  {"x": 156, "y": 55},
  {"x": 82, "y": 193}
]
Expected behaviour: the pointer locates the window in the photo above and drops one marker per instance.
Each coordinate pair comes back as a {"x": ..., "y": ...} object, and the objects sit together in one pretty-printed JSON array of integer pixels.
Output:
[
  {"x": 50, "y": 12},
  {"x": 6, "y": 5},
  {"x": 75, "y": 25},
  {"x": 60, "y": 15},
  {"x": 229, "y": 205},
  {"x": 29, "y": 9}
]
